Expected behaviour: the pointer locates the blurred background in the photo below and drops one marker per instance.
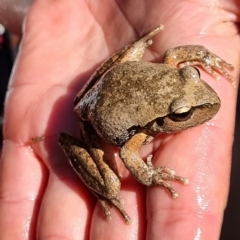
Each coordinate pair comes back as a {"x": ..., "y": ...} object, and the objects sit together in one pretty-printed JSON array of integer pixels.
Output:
[
  {"x": 6, "y": 62},
  {"x": 230, "y": 230}
]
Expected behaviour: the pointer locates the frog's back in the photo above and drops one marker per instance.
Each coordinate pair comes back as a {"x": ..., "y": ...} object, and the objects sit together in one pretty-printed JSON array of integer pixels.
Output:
[{"x": 131, "y": 94}]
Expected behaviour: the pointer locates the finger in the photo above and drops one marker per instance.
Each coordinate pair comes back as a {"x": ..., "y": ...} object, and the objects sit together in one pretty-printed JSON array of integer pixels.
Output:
[
  {"x": 23, "y": 179},
  {"x": 22, "y": 184},
  {"x": 134, "y": 204},
  {"x": 66, "y": 208},
  {"x": 201, "y": 154},
  {"x": 202, "y": 201}
]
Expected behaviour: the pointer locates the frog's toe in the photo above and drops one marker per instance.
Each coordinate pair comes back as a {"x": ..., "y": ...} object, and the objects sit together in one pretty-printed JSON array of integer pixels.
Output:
[
  {"x": 106, "y": 209},
  {"x": 225, "y": 74},
  {"x": 162, "y": 174},
  {"x": 117, "y": 203}
]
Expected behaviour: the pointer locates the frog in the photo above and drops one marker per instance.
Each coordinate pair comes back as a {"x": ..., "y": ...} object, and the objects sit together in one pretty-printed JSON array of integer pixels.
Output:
[{"x": 127, "y": 102}]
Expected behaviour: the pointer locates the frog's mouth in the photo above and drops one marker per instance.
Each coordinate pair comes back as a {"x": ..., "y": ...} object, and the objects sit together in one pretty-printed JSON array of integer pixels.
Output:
[{"x": 175, "y": 122}]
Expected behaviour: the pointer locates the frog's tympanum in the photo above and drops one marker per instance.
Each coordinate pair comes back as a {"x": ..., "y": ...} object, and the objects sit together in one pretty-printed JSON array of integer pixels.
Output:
[{"x": 127, "y": 102}]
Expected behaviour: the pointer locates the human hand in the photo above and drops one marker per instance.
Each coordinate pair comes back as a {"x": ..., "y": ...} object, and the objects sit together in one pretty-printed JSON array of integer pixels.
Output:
[{"x": 62, "y": 45}]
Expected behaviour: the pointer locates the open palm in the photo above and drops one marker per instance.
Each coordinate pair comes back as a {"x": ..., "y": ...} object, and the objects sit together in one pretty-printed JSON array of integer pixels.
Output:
[{"x": 63, "y": 43}]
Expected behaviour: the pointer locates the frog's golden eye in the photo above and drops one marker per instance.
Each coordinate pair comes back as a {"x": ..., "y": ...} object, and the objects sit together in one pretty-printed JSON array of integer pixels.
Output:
[{"x": 181, "y": 114}]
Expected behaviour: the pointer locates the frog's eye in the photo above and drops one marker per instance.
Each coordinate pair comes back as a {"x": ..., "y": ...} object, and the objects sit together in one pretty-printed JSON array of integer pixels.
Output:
[{"x": 181, "y": 114}]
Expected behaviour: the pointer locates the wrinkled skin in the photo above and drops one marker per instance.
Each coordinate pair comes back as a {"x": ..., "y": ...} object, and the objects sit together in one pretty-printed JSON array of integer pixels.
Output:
[{"x": 40, "y": 196}]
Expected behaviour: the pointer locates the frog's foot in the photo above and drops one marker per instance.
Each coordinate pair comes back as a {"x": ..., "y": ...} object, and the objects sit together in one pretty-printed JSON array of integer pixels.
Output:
[
  {"x": 134, "y": 51},
  {"x": 145, "y": 173},
  {"x": 162, "y": 174},
  {"x": 107, "y": 204},
  {"x": 117, "y": 202},
  {"x": 199, "y": 55},
  {"x": 213, "y": 64},
  {"x": 147, "y": 38},
  {"x": 106, "y": 208}
]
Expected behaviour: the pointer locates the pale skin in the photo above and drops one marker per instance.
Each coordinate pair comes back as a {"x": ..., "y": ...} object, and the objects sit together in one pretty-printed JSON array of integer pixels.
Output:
[{"x": 63, "y": 43}]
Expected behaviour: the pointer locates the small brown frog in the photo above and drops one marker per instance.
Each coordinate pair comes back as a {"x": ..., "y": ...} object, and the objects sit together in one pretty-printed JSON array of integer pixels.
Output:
[{"x": 127, "y": 102}]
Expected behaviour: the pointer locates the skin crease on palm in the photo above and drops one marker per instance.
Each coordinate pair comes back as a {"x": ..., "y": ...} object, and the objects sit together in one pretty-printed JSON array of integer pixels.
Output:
[{"x": 63, "y": 43}]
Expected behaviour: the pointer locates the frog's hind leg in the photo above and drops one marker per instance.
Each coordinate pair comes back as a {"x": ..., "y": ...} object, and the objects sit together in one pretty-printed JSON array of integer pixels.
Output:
[
  {"x": 145, "y": 173},
  {"x": 135, "y": 51},
  {"x": 132, "y": 52},
  {"x": 95, "y": 173}
]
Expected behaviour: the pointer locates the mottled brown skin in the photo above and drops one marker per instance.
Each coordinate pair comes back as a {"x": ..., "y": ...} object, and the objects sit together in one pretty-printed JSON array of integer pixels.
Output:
[
  {"x": 127, "y": 101},
  {"x": 141, "y": 96}
]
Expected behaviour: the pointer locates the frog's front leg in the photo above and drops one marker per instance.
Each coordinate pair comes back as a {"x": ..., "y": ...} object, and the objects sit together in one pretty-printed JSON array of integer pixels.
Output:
[
  {"x": 95, "y": 173},
  {"x": 198, "y": 55},
  {"x": 145, "y": 173}
]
